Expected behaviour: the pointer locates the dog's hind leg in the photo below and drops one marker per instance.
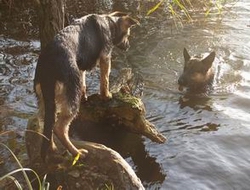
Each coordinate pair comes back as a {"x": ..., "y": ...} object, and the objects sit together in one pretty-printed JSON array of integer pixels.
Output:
[
  {"x": 68, "y": 97},
  {"x": 40, "y": 102},
  {"x": 61, "y": 130},
  {"x": 67, "y": 107},
  {"x": 45, "y": 121},
  {"x": 105, "y": 66}
]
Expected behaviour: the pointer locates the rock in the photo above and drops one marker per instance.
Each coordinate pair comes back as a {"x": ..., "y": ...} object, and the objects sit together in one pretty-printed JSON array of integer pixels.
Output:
[{"x": 103, "y": 167}]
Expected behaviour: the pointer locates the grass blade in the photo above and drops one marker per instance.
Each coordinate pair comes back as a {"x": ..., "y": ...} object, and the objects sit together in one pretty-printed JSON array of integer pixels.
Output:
[
  {"x": 155, "y": 8},
  {"x": 18, "y": 185},
  {"x": 22, "y": 169},
  {"x": 45, "y": 184}
]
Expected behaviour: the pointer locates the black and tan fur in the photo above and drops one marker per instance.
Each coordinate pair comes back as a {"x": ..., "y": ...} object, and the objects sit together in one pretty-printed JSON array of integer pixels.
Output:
[
  {"x": 198, "y": 73},
  {"x": 59, "y": 81}
]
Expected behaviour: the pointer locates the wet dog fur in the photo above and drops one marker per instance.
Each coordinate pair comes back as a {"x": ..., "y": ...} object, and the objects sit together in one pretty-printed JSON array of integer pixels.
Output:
[
  {"x": 59, "y": 81},
  {"x": 198, "y": 72}
]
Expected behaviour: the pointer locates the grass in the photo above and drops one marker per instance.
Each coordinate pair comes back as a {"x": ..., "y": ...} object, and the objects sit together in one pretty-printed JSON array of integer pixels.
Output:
[
  {"x": 42, "y": 185},
  {"x": 176, "y": 6},
  {"x": 181, "y": 10}
]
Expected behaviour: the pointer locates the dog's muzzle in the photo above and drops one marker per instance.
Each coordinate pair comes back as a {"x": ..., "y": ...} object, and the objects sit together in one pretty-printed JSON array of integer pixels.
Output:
[{"x": 181, "y": 83}]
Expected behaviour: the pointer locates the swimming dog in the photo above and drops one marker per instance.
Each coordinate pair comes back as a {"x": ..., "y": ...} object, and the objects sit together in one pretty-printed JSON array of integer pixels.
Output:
[
  {"x": 198, "y": 72},
  {"x": 59, "y": 81}
]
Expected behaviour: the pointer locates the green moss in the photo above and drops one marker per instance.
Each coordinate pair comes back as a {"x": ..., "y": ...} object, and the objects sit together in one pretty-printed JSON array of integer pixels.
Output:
[{"x": 132, "y": 101}]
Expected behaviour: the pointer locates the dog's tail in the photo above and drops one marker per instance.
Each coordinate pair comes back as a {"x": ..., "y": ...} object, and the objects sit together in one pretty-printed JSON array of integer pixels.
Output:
[{"x": 49, "y": 118}]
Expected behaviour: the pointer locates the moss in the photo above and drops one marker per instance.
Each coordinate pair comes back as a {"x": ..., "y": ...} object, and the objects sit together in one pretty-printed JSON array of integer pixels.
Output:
[{"x": 130, "y": 100}]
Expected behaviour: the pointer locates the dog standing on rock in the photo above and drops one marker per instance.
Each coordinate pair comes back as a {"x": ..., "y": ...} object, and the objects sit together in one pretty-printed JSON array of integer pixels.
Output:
[
  {"x": 198, "y": 73},
  {"x": 59, "y": 81}
]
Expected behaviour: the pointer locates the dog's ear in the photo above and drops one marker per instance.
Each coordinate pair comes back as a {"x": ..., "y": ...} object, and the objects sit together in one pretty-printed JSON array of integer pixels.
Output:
[
  {"x": 186, "y": 55},
  {"x": 208, "y": 61},
  {"x": 118, "y": 14}
]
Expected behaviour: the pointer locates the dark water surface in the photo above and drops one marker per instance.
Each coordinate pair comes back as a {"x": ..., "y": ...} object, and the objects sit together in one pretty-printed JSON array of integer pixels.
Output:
[{"x": 208, "y": 143}]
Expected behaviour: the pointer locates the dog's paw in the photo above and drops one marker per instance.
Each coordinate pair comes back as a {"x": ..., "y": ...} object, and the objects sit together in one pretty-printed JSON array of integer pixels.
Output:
[
  {"x": 107, "y": 96},
  {"x": 84, "y": 99}
]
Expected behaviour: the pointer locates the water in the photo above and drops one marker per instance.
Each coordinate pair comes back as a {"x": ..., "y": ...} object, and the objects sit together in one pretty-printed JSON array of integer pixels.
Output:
[
  {"x": 208, "y": 140},
  {"x": 208, "y": 136}
]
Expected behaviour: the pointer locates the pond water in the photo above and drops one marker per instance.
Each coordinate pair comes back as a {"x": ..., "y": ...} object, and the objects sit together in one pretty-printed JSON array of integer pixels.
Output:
[{"x": 208, "y": 135}]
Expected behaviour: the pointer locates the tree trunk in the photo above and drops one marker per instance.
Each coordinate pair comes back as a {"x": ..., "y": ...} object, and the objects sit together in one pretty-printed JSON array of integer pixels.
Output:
[{"x": 51, "y": 19}]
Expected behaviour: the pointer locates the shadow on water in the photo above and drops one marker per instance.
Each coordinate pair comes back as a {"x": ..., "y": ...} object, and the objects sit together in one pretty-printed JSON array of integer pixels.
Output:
[
  {"x": 130, "y": 146},
  {"x": 195, "y": 101},
  {"x": 198, "y": 103}
]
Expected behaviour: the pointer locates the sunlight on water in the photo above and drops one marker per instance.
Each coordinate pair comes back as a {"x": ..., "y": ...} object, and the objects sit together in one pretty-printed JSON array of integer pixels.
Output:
[
  {"x": 208, "y": 134},
  {"x": 193, "y": 158},
  {"x": 235, "y": 113}
]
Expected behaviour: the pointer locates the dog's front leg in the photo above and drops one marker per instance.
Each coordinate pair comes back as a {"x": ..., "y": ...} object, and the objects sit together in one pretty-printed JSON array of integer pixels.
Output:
[
  {"x": 84, "y": 93},
  {"x": 105, "y": 66}
]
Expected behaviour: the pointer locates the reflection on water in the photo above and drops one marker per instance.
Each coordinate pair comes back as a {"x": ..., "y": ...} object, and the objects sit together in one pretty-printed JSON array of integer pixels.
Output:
[
  {"x": 130, "y": 146},
  {"x": 208, "y": 135}
]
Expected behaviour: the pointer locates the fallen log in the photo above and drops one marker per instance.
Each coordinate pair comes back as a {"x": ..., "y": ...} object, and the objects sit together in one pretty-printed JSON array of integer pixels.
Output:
[{"x": 124, "y": 110}]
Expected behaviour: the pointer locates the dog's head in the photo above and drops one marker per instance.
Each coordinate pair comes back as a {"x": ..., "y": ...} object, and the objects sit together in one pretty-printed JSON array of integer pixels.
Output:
[
  {"x": 121, "y": 29},
  {"x": 197, "y": 72}
]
